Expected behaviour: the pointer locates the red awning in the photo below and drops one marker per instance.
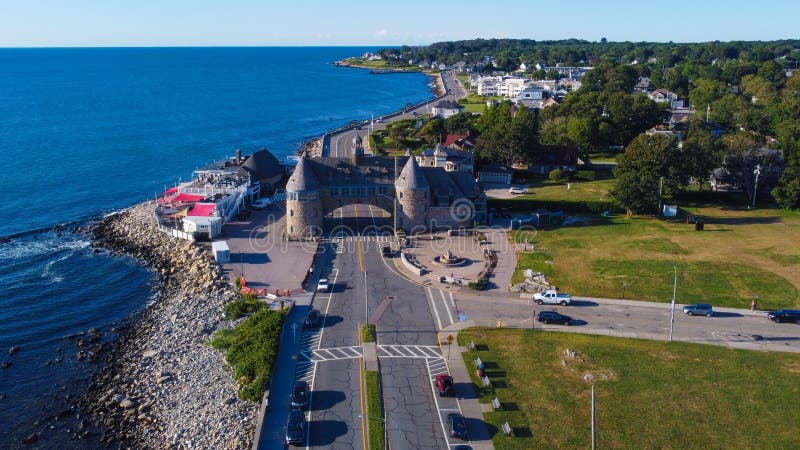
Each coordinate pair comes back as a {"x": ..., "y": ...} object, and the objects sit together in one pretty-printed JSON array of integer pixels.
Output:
[
  {"x": 170, "y": 191},
  {"x": 202, "y": 209},
  {"x": 186, "y": 198}
]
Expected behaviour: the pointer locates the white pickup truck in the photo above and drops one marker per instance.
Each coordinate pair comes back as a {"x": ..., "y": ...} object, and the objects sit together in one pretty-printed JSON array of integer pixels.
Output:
[{"x": 552, "y": 297}]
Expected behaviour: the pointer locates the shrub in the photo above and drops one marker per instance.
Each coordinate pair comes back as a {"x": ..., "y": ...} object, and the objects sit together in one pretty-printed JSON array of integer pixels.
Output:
[
  {"x": 251, "y": 350},
  {"x": 244, "y": 306},
  {"x": 368, "y": 332},
  {"x": 479, "y": 285},
  {"x": 556, "y": 175},
  {"x": 587, "y": 175},
  {"x": 238, "y": 283}
]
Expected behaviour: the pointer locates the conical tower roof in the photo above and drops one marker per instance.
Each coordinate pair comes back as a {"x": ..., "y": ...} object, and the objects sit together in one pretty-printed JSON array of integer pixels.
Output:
[
  {"x": 303, "y": 178},
  {"x": 411, "y": 177}
]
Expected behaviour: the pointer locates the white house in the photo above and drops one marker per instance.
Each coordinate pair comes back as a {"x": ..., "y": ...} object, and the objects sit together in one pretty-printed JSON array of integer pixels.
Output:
[
  {"x": 531, "y": 97},
  {"x": 445, "y": 109},
  {"x": 663, "y": 96}
]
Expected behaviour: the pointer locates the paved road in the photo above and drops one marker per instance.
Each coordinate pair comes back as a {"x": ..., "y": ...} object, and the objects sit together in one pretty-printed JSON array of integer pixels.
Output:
[
  {"x": 728, "y": 327},
  {"x": 340, "y": 144}
]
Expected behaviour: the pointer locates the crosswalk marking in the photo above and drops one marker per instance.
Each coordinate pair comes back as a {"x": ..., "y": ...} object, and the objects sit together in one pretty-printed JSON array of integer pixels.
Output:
[
  {"x": 334, "y": 239},
  {"x": 409, "y": 351},
  {"x": 331, "y": 354}
]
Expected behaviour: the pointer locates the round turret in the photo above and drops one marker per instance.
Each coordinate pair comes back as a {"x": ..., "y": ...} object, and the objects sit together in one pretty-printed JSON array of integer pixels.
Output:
[
  {"x": 303, "y": 202},
  {"x": 412, "y": 191}
]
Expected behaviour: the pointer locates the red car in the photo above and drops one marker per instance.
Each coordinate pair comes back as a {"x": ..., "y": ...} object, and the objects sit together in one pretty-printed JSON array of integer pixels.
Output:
[{"x": 445, "y": 385}]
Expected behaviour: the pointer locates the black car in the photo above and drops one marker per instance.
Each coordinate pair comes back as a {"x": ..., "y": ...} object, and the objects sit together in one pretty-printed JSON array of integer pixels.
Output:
[
  {"x": 300, "y": 395},
  {"x": 458, "y": 426},
  {"x": 386, "y": 250},
  {"x": 312, "y": 319},
  {"x": 784, "y": 315},
  {"x": 553, "y": 317},
  {"x": 296, "y": 427}
]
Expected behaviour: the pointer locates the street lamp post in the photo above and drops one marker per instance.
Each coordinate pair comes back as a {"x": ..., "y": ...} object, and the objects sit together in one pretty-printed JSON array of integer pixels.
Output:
[
  {"x": 757, "y": 172},
  {"x": 624, "y": 286},
  {"x": 672, "y": 313}
]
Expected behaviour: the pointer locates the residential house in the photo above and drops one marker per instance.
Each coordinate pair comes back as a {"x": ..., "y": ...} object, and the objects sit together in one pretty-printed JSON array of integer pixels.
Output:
[
  {"x": 548, "y": 102},
  {"x": 531, "y": 97},
  {"x": 770, "y": 164},
  {"x": 679, "y": 115},
  {"x": 552, "y": 157},
  {"x": 450, "y": 160},
  {"x": 463, "y": 142},
  {"x": 445, "y": 109},
  {"x": 642, "y": 85},
  {"x": 663, "y": 96},
  {"x": 496, "y": 173}
]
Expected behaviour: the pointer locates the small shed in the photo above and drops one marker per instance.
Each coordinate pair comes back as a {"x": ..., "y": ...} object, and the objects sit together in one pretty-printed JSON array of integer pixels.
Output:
[
  {"x": 222, "y": 254},
  {"x": 203, "y": 227}
]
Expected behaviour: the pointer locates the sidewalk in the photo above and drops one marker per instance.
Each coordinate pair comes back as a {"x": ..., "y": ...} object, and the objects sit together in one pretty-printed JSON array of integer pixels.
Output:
[
  {"x": 470, "y": 407},
  {"x": 271, "y": 428}
]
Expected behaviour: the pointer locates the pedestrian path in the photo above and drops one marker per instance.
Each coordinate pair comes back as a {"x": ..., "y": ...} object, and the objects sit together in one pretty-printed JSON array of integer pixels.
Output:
[
  {"x": 409, "y": 351},
  {"x": 332, "y": 354}
]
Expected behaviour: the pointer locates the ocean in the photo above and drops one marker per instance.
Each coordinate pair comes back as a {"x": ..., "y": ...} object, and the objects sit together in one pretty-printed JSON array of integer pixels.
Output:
[{"x": 85, "y": 132}]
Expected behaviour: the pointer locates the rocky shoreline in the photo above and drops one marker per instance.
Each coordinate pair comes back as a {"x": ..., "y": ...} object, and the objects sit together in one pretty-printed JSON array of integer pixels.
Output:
[{"x": 163, "y": 385}]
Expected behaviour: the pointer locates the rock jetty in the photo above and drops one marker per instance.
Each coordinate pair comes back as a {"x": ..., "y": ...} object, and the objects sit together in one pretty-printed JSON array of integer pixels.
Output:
[{"x": 163, "y": 385}]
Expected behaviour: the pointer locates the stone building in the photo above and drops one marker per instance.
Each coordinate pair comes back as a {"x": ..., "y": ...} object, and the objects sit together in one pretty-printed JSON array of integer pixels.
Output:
[{"x": 427, "y": 198}]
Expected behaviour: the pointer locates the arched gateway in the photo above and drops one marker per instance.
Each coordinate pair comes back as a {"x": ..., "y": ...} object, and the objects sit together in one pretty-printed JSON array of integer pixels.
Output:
[{"x": 428, "y": 198}]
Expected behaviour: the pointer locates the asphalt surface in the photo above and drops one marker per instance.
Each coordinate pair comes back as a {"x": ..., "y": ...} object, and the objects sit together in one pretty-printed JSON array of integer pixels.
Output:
[
  {"x": 734, "y": 328},
  {"x": 329, "y": 357},
  {"x": 340, "y": 144}
]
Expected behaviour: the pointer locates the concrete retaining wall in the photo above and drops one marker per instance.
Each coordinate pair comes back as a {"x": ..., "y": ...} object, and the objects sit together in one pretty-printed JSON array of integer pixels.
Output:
[{"x": 416, "y": 270}]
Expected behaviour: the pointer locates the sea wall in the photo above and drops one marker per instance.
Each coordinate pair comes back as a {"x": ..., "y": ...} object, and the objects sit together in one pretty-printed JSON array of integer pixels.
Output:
[{"x": 163, "y": 385}]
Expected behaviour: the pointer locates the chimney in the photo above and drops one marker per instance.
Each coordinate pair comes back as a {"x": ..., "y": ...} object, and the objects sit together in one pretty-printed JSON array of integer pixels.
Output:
[{"x": 238, "y": 157}]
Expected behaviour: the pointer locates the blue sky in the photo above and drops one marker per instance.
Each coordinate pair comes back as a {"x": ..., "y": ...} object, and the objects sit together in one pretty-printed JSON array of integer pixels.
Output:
[{"x": 34, "y": 23}]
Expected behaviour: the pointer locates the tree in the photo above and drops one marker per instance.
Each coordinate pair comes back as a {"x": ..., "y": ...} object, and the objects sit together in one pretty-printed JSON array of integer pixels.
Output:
[
  {"x": 706, "y": 92},
  {"x": 461, "y": 123},
  {"x": 641, "y": 168},
  {"x": 433, "y": 131},
  {"x": 702, "y": 152}
]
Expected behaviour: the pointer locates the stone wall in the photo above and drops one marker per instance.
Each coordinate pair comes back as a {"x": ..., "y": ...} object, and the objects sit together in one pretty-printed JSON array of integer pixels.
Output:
[
  {"x": 303, "y": 218},
  {"x": 447, "y": 217},
  {"x": 412, "y": 209}
]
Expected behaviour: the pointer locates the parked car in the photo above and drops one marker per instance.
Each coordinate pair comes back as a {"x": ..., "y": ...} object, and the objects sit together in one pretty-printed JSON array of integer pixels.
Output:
[
  {"x": 299, "y": 397},
  {"x": 386, "y": 250},
  {"x": 517, "y": 190},
  {"x": 322, "y": 285},
  {"x": 445, "y": 385},
  {"x": 552, "y": 297},
  {"x": 262, "y": 203},
  {"x": 458, "y": 426},
  {"x": 784, "y": 315},
  {"x": 553, "y": 317},
  {"x": 312, "y": 319},
  {"x": 296, "y": 427},
  {"x": 699, "y": 309}
]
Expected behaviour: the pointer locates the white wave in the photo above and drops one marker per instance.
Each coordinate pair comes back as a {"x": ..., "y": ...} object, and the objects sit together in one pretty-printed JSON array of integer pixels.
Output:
[{"x": 43, "y": 245}]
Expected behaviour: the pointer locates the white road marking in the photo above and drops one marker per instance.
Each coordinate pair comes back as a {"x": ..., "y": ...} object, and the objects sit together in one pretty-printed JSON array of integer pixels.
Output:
[
  {"x": 433, "y": 307},
  {"x": 446, "y": 308}
]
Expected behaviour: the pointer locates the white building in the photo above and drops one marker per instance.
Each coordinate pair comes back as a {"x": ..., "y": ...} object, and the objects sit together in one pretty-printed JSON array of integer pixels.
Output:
[
  {"x": 508, "y": 87},
  {"x": 445, "y": 109}
]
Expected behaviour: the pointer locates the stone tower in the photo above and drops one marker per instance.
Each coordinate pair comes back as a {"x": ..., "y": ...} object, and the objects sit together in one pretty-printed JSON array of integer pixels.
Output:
[
  {"x": 412, "y": 191},
  {"x": 358, "y": 150},
  {"x": 303, "y": 202}
]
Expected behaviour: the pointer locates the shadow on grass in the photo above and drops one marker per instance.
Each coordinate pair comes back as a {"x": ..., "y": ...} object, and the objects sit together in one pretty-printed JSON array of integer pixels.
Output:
[
  {"x": 496, "y": 374},
  {"x": 509, "y": 406},
  {"x": 522, "y": 432},
  {"x": 490, "y": 365}
]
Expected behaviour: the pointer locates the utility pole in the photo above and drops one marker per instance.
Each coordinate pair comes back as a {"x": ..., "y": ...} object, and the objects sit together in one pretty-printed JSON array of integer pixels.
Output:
[
  {"x": 394, "y": 215},
  {"x": 594, "y": 422},
  {"x": 672, "y": 314},
  {"x": 660, "y": 189}
]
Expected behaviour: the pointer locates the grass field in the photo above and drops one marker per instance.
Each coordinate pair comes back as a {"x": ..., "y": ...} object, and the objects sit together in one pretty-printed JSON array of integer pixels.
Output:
[
  {"x": 374, "y": 410},
  {"x": 656, "y": 395},
  {"x": 740, "y": 254},
  {"x": 569, "y": 191},
  {"x": 475, "y": 104}
]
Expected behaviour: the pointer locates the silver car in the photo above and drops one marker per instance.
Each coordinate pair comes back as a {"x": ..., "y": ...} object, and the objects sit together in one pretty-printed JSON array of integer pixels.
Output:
[{"x": 699, "y": 309}]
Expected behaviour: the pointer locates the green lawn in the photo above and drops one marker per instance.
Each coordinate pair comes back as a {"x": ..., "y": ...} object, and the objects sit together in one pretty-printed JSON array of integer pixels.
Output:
[
  {"x": 476, "y": 104},
  {"x": 568, "y": 191},
  {"x": 656, "y": 395},
  {"x": 375, "y": 424},
  {"x": 743, "y": 254}
]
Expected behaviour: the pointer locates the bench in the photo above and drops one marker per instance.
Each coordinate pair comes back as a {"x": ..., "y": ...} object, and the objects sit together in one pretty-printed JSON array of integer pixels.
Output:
[
  {"x": 478, "y": 362},
  {"x": 496, "y": 404},
  {"x": 486, "y": 382},
  {"x": 472, "y": 346},
  {"x": 506, "y": 428}
]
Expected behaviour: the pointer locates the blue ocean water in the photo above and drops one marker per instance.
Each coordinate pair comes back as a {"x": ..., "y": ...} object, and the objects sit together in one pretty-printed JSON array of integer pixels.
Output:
[{"x": 88, "y": 131}]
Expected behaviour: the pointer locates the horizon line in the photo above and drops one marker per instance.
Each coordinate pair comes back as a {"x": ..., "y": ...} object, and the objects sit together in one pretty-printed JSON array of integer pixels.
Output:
[{"x": 69, "y": 46}]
